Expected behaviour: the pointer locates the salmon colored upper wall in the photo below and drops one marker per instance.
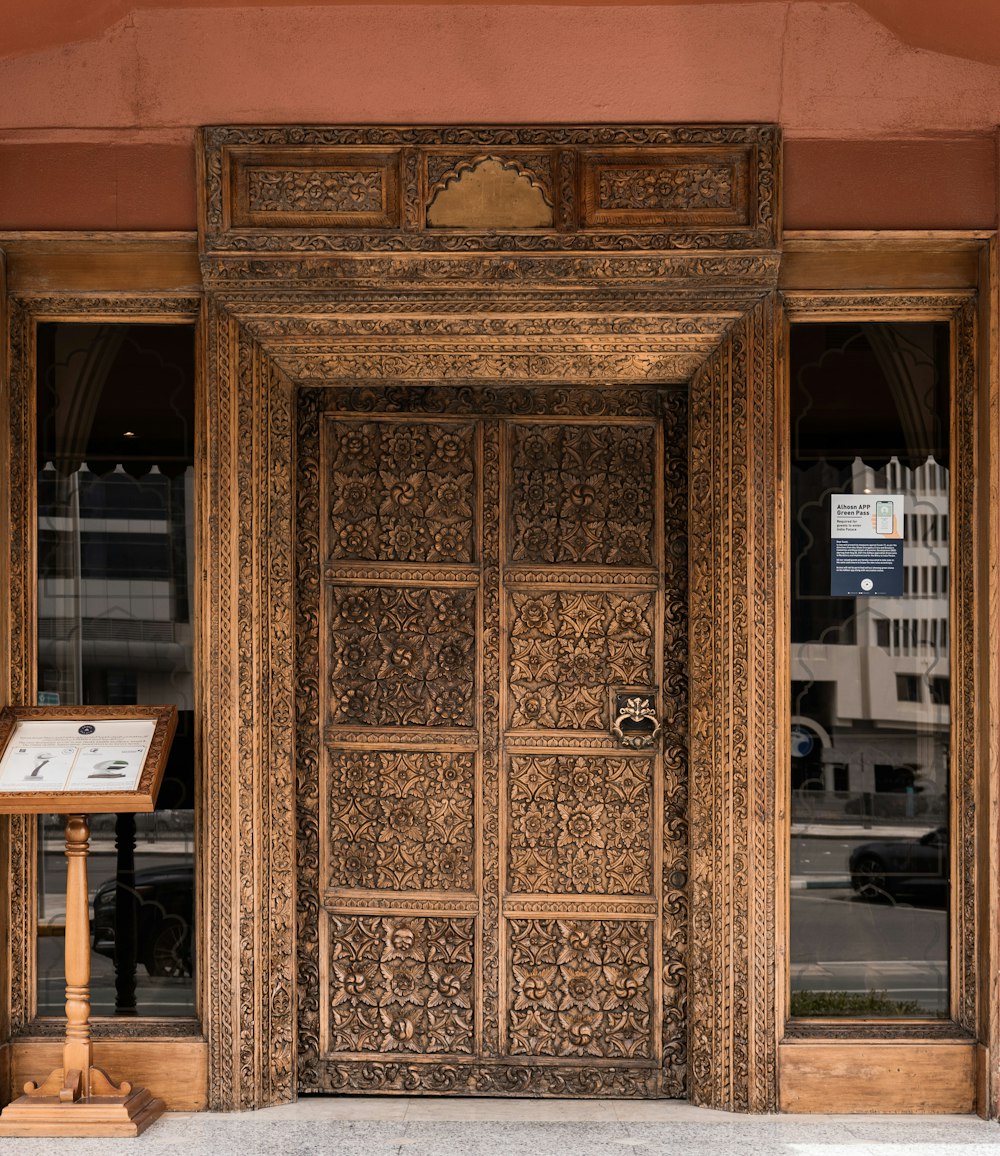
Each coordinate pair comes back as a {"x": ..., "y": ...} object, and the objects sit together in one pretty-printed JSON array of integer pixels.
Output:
[{"x": 97, "y": 120}]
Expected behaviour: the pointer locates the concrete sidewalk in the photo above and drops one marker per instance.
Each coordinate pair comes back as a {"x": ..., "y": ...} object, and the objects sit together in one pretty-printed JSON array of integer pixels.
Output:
[{"x": 426, "y": 1126}]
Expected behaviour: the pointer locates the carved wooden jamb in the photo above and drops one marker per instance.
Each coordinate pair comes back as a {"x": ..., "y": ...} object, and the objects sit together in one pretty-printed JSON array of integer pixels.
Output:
[{"x": 311, "y": 303}]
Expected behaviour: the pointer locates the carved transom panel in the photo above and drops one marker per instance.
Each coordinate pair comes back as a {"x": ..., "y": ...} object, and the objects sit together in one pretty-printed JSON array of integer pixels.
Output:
[
  {"x": 568, "y": 648},
  {"x": 402, "y": 656},
  {"x": 401, "y": 820},
  {"x": 469, "y": 188},
  {"x": 580, "y": 987},
  {"x": 580, "y": 824},
  {"x": 400, "y": 491},
  {"x": 582, "y": 494},
  {"x": 401, "y": 984}
]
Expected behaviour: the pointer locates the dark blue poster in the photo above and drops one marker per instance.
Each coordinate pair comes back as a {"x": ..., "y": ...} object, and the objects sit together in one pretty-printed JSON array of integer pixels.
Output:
[{"x": 866, "y": 545}]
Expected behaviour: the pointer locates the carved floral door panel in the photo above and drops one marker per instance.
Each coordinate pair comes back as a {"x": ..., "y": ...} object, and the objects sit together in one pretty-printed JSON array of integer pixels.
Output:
[{"x": 490, "y": 883}]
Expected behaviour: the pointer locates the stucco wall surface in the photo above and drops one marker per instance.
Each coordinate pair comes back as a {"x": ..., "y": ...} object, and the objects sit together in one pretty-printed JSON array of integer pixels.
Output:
[{"x": 100, "y": 100}]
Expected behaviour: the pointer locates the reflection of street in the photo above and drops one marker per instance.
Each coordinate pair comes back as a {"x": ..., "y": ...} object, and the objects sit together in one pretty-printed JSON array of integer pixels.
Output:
[
  {"x": 155, "y": 995},
  {"x": 843, "y": 942}
]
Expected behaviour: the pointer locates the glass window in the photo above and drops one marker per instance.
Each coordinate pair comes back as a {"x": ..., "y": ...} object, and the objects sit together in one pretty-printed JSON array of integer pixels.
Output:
[
  {"x": 870, "y": 661},
  {"x": 115, "y": 420}
]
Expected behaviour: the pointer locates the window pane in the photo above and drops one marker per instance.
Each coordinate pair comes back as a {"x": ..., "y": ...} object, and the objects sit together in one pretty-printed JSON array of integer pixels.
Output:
[
  {"x": 115, "y": 527},
  {"x": 870, "y": 669}
]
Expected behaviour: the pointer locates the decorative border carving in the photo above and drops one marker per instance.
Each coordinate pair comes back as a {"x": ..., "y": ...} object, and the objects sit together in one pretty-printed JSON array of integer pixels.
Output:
[
  {"x": 228, "y": 226},
  {"x": 731, "y": 271},
  {"x": 733, "y": 570}
]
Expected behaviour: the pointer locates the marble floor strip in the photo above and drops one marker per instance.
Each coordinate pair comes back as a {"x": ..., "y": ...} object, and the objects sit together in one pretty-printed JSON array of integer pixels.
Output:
[{"x": 426, "y": 1126}]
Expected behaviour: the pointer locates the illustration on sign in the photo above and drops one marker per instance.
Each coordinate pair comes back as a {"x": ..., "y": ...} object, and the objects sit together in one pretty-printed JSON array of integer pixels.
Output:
[
  {"x": 65, "y": 756},
  {"x": 866, "y": 548}
]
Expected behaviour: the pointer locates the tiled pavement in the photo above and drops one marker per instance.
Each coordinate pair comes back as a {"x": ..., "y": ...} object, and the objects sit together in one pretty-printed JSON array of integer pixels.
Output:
[{"x": 391, "y": 1126}]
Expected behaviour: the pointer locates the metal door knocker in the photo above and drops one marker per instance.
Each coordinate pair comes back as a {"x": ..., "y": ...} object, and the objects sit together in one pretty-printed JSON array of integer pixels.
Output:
[{"x": 635, "y": 722}]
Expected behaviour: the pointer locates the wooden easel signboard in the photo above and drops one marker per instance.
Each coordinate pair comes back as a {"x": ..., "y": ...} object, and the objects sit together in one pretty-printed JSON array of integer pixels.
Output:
[{"x": 77, "y": 761}]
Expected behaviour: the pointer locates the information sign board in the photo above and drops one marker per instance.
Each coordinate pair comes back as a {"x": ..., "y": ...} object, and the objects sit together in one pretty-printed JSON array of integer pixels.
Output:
[{"x": 83, "y": 759}]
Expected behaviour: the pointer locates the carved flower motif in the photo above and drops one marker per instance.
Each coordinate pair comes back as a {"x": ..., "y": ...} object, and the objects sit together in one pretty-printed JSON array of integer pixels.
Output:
[
  {"x": 581, "y": 497},
  {"x": 401, "y": 940},
  {"x": 536, "y": 451},
  {"x": 451, "y": 497},
  {"x": 532, "y": 707},
  {"x": 628, "y": 828},
  {"x": 354, "y": 703},
  {"x": 579, "y": 943},
  {"x": 632, "y": 449},
  {"x": 536, "y": 543},
  {"x": 403, "y": 492},
  {"x": 533, "y": 614},
  {"x": 580, "y": 989},
  {"x": 449, "y": 541},
  {"x": 404, "y": 982},
  {"x": 405, "y": 450},
  {"x": 586, "y": 873},
  {"x": 450, "y": 704},
  {"x": 402, "y": 657},
  {"x": 353, "y": 538},
  {"x": 400, "y": 1031},
  {"x": 355, "y": 608},
  {"x": 353, "y": 492},
  {"x": 403, "y": 539},
  {"x": 579, "y": 1027},
  {"x": 533, "y": 827},
  {"x": 355, "y": 444},
  {"x": 449, "y": 447}
]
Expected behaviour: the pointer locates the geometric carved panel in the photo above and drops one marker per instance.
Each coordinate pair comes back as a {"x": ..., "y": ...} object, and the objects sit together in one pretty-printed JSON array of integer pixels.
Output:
[
  {"x": 400, "y": 492},
  {"x": 580, "y": 988},
  {"x": 401, "y": 820},
  {"x": 568, "y": 647},
  {"x": 402, "y": 656},
  {"x": 401, "y": 984},
  {"x": 580, "y": 824},
  {"x": 582, "y": 494}
]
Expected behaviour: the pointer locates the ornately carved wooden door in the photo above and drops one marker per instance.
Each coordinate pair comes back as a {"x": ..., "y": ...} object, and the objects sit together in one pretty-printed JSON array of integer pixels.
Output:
[{"x": 491, "y": 885}]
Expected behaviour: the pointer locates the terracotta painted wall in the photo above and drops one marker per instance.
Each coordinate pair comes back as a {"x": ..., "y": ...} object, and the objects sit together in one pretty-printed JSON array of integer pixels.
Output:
[{"x": 882, "y": 128}]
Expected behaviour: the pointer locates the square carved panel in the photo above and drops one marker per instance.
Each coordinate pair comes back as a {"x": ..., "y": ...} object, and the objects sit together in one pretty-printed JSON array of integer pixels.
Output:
[
  {"x": 582, "y": 494},
  {"x": 580, "y": 824},
  {"x": 568, "y": 648},
  {"x": 401, "y": 984},
  {"x": 402, "y": 656},
  {"x": 400, "y": 491},
  {"x": 580, "y": 987},
  {"x": 401, "y": 820}
]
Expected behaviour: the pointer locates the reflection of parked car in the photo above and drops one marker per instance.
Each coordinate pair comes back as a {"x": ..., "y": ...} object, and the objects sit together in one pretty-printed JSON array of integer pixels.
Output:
[
  {"x": 893, "y": 868},
  {"x": 165, "y": 915}
]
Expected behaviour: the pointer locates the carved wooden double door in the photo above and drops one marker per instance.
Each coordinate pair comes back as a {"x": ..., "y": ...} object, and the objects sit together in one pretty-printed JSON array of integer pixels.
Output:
[{"x": 491, "y": 885}]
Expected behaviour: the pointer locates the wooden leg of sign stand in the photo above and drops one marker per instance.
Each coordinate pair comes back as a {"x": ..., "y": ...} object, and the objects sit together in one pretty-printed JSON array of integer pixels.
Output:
[{"x": 79, "y": 1099}]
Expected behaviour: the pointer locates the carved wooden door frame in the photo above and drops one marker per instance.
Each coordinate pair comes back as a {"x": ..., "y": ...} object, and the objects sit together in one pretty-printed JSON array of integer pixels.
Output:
[{"x": 645, "y": 254}]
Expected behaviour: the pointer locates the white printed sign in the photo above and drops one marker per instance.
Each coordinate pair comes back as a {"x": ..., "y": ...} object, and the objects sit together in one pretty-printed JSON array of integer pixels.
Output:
[{"x": 71, "y": 755}]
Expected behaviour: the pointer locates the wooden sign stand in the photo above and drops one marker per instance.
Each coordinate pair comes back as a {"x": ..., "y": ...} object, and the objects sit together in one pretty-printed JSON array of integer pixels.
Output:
[
  {"x": 97, "y": 1106},
  {"x": 80, "y": 1099}
]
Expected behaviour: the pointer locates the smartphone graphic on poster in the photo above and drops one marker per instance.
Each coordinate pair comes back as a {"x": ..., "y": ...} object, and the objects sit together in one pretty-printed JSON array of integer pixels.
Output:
[{"x": 883, "y": 518}]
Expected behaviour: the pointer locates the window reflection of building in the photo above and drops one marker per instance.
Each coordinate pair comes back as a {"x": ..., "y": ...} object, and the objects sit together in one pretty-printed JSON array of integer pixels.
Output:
[
  {"x": 115, "y": 499},
  {"x": 870, "y": 678},
  {"x": 875, "y": 677}
]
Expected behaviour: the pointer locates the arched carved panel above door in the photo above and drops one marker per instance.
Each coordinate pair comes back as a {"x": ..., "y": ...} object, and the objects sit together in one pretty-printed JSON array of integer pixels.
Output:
[{"x": 324, "y": 273}]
